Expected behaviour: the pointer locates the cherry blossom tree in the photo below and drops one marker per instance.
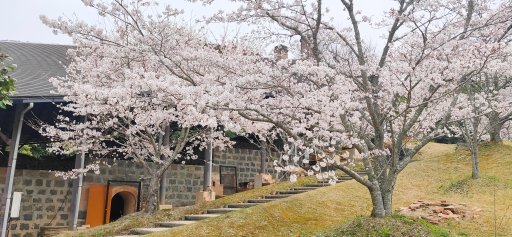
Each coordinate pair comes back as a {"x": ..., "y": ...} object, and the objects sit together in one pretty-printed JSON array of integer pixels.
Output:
[
  {"x": 501, "y": 86},
  {"x": 473, "y": 125},
  {"x": 141, "y": 82},
  {"x": 484, "y": 107},
  {"x": 342, "y": 92}
]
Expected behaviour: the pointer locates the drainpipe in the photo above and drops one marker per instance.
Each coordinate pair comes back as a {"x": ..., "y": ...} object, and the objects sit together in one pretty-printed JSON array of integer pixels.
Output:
[
  {"x": 77, "y": 186},
  {"x": 13, "y": 156}
]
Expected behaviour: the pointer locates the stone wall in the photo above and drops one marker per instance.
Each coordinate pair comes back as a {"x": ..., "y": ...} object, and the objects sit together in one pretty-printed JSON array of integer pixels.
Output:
[
  {"x": 183, "y": 183},
  {"x": 247, "y": 162},
  {"x": 46, "y": 199}
]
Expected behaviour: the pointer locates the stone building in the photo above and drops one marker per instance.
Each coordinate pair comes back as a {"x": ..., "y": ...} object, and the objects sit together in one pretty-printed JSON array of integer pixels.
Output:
[
  {"x": 118, "y": 190},
  {"x": 46, "y": 199}
]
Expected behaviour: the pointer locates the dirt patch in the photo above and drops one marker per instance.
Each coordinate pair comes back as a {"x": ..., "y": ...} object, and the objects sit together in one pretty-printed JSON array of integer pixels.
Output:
[{"x": 437, "y": 212}]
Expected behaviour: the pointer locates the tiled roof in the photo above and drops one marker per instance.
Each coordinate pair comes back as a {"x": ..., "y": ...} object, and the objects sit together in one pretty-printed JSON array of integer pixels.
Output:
[{"x": 37, "y": 63}]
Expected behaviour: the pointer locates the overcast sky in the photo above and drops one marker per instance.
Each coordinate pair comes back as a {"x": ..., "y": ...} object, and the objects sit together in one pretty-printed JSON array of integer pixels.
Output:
[{"x": 20, "y": 18}]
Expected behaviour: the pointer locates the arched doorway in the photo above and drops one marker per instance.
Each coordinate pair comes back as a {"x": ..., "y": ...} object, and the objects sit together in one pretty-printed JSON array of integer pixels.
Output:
[
  {"x": 106, "y": 203},
  {"x": 116, "y": 207},
  {"x": 121, "y": 203}
]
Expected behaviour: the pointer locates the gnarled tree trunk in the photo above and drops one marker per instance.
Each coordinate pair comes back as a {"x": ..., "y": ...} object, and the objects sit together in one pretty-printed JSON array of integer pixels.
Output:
[
  {"x": 382, "y": 200},
  {"x": 495, "y": 126},
  {"x": 152, "y": 202}
]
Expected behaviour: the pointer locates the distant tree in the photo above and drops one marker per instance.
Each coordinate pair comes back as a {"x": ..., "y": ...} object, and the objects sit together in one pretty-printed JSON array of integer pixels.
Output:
[
  {"x": 6, "y": 81},
  {"x": 470, "y": 121},
  {"x": 501, "y": 100},
  {"x": 484, "y": 108}
]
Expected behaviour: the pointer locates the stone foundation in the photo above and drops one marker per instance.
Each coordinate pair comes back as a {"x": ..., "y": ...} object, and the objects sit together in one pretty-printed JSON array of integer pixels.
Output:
[{"x": 46, "y": 199}]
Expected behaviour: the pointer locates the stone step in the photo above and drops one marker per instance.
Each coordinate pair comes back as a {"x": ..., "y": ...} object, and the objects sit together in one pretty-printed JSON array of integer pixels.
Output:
[
  {"x": 291, "y": 192},
  {"x": 318, "y": 185},
  {"x": 146, "y": 231},
  {"x": 171, "y": 224},
  {"x": 221, "y": 210},
  {"x": 326, "y": 182},
  {"x": 359, "y": 173},
  {"x": 340, "y": 179},
  {"x": 305, "y": 188},
  {"x": 344, "y": 178},
  {"x": 259, "y": 200},
  {"x": 277, "y": 196},
  {"x": 200, "y": 217},
  {"x": 165, "y": 207},
  {"x": 241, "y": 205}
]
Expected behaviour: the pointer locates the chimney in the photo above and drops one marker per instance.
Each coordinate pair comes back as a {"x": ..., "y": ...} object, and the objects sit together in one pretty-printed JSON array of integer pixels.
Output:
[
  {"x": 280, "y": 52},
  {"x": 305, "y": 50}
]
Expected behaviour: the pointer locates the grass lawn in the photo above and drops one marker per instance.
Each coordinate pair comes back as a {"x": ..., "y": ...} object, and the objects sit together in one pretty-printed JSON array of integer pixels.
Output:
[
  {"x": 395, "y": 225},
  {"x": 123, "y": 225},
  {"x": 433, "y": 175},
  {"x": 439, "y": 172}
]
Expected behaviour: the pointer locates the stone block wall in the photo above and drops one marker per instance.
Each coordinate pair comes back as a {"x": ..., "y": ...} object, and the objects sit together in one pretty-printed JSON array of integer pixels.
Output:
[
  {"x": 247, "y": 162},
  {"x": 46, "y": 200},
  {"x": 183, "y": 183}
]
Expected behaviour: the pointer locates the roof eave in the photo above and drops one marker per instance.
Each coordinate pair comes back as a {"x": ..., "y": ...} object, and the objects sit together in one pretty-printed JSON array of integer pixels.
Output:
[{"x": 37, "y": 99}]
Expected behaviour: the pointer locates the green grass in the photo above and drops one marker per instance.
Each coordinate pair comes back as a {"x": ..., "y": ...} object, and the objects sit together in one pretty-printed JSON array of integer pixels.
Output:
[
  {"x": 467, "y": 185},
  {"x": 123, "y": 225},
  {"x": 328, "y": 208},
  {"x": 395, "y": 225},
  {"x": 439, "y": 172}
]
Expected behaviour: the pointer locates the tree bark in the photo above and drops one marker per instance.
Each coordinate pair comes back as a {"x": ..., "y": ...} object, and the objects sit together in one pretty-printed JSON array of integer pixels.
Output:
[
  {"x": 378, "y": 209},
  {"x": 475, "y": 174},
  {"x": 387, "y": 200},
  {"x": 152, "y": 196},
  {"x": 495, "y": 132},
  {"x": 495, "y": 126}
]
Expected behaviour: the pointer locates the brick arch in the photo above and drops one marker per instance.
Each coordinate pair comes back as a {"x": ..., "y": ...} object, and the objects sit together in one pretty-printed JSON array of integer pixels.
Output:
[{"x": 129, "y": 195}]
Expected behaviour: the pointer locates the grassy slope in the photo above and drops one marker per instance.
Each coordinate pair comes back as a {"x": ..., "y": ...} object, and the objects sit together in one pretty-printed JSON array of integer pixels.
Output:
[
  {"x": 437, "y": 165},
  {"x": 124, "y": 225},
  {"x": 452, "y": 167},
  {"x": 393, "y": 226}
]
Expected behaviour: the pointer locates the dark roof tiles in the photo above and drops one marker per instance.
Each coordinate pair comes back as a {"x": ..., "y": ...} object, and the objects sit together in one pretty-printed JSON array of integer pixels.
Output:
[{"x": 37, "y": 63}]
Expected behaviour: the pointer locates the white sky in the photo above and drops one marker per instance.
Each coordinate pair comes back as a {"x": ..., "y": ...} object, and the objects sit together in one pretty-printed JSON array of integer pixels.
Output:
[{"x": 20, "y": 18}]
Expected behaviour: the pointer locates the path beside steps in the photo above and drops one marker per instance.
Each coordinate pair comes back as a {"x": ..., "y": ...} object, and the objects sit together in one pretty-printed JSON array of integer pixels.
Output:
[{"x": 190, "y": 219}]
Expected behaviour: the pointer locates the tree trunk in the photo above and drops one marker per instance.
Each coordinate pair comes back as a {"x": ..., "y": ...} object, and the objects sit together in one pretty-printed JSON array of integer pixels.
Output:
[
  {"x": 387, "y": 200},
  {"x": 162, "y": 188},
  {"x": 495, "y": 126},
  {"x": 475, "y": 174},
  {"x": 152, "y": 195},
  {"x": 495, "y": 132},
  {"x": 378, "y": 209}
]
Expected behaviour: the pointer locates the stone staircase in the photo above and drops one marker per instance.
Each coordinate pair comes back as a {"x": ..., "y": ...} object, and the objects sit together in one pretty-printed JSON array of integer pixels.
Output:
[{"x": 210, "y": 213}]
